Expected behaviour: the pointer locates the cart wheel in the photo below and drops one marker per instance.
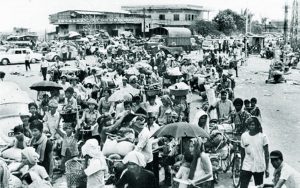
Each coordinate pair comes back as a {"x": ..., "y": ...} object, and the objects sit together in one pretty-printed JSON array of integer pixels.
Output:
[
  {"x": 267, "y": 81},
  {"x": 285, "y": 81}
]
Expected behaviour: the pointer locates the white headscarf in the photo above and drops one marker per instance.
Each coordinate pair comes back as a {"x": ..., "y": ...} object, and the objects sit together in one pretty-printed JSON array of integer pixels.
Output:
[
  {"x": 135, "y": 157},
  {"x": 197, "y": 117},
  {"x": 92, "y": 148},
  {"x": 31, "y": 155}
]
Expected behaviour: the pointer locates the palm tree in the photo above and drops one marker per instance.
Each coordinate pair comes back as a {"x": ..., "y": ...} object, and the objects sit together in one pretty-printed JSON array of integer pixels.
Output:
[
  {"x": 264, "y": 22},
  {"x": 250, "y": 15}
]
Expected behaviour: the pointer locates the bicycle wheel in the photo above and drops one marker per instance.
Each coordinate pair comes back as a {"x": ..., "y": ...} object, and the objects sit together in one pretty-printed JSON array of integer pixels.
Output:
[
  {"x": 236, "y": 168},
  {"x": 226, "y": 162}
]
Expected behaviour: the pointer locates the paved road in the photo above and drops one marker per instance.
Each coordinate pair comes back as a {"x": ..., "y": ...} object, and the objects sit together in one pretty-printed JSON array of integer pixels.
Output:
[{"x": 279, "y": 104}]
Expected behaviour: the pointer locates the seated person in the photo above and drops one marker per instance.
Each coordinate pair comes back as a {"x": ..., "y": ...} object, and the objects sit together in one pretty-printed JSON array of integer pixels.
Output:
[
  {"x": 42, "y": 145},
  {"x": 20, "y": 141}
]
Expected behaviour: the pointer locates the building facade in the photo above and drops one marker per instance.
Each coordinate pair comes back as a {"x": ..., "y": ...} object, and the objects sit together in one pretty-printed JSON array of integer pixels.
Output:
[
  {"x": 136, "y": 19},
  {"x": 170, "y": 15},
  {"x": 89, "y": 22}
]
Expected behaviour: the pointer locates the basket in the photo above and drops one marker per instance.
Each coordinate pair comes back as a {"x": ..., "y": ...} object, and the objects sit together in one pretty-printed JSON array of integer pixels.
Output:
[
  {"x": 69, "y": 117},
  {"x": 75, "y": 174},
  {"x": 179, "y": 92},
  {"x": 153, "y": 92}
]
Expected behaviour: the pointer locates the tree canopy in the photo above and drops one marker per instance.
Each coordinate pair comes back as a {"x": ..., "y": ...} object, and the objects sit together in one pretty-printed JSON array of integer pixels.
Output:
[{"x": 205, "y": 28}]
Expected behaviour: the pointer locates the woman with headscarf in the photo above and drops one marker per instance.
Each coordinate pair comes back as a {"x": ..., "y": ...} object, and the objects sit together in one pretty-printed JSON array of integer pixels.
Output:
[
  {"x": 31, "y": 159},
  {"x": 4, "y": 174},
  {"x": 201, "y": 119},
  {"x": 135, "y": 175},
  {"x": 166, "y": 106},
  {"x": 96, "y": 167},
  {"x": 254, "y": 153},
  {"x": 201, "y": 173}
]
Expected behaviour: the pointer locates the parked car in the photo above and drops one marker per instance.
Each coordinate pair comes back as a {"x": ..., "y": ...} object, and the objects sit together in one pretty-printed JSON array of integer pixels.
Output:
[
  {"x": 208, "y": 45},
  {"x": 57, "y": 54},
  {"x": 17, "y": 55}
]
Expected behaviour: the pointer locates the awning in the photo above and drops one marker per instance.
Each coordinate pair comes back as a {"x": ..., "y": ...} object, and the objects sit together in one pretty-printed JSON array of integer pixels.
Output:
[{"x": 172, "y": 31}]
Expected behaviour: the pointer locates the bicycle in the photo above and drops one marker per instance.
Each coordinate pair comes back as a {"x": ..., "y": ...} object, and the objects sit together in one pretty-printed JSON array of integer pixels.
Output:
[{"x": 235, "y": 164}]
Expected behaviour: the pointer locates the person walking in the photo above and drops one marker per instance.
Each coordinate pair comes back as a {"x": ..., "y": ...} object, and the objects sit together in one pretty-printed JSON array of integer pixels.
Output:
[
  {"x": 255, "y": 154},
  {"x": 44, "y": 67},
  {"x": 27, "y": 61}
]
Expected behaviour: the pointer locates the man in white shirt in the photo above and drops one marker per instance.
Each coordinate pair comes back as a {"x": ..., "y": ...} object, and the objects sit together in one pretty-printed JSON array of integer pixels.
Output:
[
  {"x": 283, "y": 174},
  {"x": 44, "y": 67},
  {"x": 51, "y": 118}
]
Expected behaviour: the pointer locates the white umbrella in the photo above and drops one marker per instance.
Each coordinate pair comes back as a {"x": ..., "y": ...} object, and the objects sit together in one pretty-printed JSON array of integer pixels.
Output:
[
  {"x": 83, "y": 39},
  {"x": 73, "y": 34}
]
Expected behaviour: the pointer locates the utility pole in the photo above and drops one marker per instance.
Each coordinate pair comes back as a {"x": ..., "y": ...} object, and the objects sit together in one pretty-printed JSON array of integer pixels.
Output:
[
  {"x": 246, "y": 41},
  {"x": 144, "y": 24},
  {"x": 285, "y": 26}
]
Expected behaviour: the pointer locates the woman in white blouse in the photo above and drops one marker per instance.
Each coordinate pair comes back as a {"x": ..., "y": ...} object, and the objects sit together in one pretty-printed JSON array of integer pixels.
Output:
[
  {"x": 201, "y": 173},
  {"x": 255, "y": 154}
]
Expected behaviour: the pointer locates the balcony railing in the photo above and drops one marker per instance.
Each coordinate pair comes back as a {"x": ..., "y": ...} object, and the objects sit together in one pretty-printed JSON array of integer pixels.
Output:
[{"x": 116, "y": 20}]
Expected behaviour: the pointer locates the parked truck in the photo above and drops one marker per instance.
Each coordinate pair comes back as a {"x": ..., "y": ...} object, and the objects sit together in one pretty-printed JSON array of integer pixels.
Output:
[{"x": 170, "y": 37}]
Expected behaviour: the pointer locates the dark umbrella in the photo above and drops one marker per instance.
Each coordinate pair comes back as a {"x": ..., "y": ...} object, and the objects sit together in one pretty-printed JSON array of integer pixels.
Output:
[
  {"x": 46, "y": 86},
  {"x": 181, "y": 129}
]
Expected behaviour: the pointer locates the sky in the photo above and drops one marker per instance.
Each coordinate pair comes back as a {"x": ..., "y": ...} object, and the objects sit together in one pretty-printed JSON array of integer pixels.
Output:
[{"x": 34, "y": 14}]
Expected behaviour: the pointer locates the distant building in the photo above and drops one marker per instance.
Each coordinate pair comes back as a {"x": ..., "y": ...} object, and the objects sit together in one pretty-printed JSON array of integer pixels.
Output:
[
  {"x": 135, "y": 19},
  {"x": 170, "y": 15},
  {"x": 22, "y": 31},
  {"x": 276, "y": 26},
  {"x": 89, "y": 22}
]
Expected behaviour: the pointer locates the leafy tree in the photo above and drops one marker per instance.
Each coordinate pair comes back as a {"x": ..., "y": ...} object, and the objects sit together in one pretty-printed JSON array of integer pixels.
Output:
[
  {"x": 257, "y": 28},
  {"x": 205, "y": 28},
  {"x": 229, "y": 21}
]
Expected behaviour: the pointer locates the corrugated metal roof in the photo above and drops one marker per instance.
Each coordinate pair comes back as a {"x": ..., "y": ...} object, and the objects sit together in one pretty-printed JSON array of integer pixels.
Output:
[{"x": 88, "y": 12}]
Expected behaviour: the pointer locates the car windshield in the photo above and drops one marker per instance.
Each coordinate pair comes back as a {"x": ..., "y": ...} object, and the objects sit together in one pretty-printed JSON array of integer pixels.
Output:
[
  {"x": 155, "y": 39},
  {"x": 207, "y": 42}
]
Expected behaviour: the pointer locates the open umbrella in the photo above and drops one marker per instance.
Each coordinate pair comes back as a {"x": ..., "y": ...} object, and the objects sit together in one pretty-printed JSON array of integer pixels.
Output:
[
  {"x": 73, "y": 34},
  {"x": 143, "y": 64},
  {"x": 119, "y": 94},
  {"x": 132, "y": 71},
  {"x": 46, "y": 86},
  {"x": 181, "y": 129},
  {"x": 69, "y": 69}
]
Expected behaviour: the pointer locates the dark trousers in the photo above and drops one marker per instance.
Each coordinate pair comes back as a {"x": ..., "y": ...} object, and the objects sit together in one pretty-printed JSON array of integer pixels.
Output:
[
  {"x": 236, "y": 71},
  {"x": 246, "y": 177},
  {"x": 27, "y": 65},
  {"x": 64, "y": 57},
  {"x": 154, "y": 166},
  {"x": 44, "y": 73}
]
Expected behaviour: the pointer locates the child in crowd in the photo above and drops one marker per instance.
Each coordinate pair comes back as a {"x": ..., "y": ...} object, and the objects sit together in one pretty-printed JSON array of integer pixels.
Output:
[
  {"x": 247, "y": 105},
  {"x": 33, "y": 109},
  {"x": 20, "y": 141},
  {"x": 96, "y": 167},
  {"x": 184, "y": 170},
  {"x": 69, "y": 144},
  {"x": 255, "y": 111}
]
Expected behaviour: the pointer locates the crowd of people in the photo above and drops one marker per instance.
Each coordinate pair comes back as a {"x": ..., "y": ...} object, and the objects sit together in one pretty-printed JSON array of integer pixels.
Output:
[{"x": 108, "y": 110}]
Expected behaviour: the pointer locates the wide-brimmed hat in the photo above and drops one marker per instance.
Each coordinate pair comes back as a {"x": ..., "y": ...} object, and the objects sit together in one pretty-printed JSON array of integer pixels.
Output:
[
  {"x": 64, "y": 76},
  {"x": 71, "y": 78},
  {"x": 53, "y": 103},
  {"x": 92, "y": 101}
]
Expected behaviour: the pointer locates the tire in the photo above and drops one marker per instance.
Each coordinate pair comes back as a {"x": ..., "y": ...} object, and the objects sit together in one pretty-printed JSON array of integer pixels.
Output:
[
  {"x": 33, "y": 61},
  {"x": 236, "y": 171},
  {"x": 226, "y": 162},
  {"x": 56, "y": 58},
  {"x": 5, "y": 61}
]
